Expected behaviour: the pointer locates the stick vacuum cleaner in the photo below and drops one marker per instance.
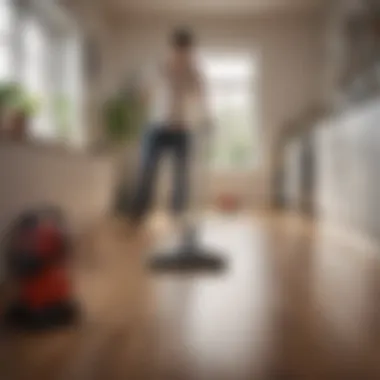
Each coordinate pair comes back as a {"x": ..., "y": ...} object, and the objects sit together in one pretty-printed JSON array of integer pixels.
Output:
[{"x": 190, "y": 255}]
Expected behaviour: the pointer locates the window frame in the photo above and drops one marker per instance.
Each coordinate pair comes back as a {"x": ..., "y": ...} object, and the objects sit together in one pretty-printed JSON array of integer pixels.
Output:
[
  {"x": 6, "y": 37},
  {"x": 239, "y": 84},
  {"x": 22, "y": 15}
]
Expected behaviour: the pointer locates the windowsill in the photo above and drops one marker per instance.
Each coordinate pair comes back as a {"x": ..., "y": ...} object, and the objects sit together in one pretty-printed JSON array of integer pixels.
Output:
[
  {"x": 231, "y": 170},
  {"x": 233, "y": 174},
  {"x": 48, "y": 147}
]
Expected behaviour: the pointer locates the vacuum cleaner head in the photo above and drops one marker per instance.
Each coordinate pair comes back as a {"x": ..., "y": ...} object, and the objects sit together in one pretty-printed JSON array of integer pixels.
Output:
[
  {"x": 189, "y": 256},
  {"x": 188, "y": 259}
]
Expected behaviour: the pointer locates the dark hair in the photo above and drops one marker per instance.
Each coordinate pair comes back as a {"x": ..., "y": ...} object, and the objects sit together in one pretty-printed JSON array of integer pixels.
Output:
[{"x": 182, "y": 38}]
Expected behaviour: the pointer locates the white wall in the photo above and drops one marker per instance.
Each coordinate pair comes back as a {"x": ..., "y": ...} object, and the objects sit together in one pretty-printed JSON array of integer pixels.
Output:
[
  {"x": 290, "y": 53},
  {"x": 31, "y": 176}
]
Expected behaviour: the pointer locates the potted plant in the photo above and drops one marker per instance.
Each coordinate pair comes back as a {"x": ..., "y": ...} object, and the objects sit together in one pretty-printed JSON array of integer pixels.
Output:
[
  {"x": 8, "y": 92},
  {"x": 16, "y": 109},
  {"x": 124, "y": 116},
  {"x": 22, "y": 107}
]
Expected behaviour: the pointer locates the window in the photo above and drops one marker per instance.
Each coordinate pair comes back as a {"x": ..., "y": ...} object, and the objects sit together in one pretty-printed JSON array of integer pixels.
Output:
[
  {"x": 65, "y": 99},
  {"x": 230, "y": 80},
  {"x": 35, "y": 76},
  {"x": 44, "y": 59},
  {"x": 6, "y": 18},
  {"x": 73, "y": 89}
]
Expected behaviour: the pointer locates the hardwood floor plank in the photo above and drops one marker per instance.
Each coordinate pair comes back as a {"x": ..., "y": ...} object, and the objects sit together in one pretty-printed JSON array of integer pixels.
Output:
[{"x": 294, "y": 304}]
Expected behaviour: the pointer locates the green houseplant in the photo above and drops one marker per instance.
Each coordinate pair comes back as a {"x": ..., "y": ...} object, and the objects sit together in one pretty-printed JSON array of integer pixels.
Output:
[
  {"x": 22, "y": 108},
  {"x": 124, "y": 116},
  {"x": 17, "y": 107},
  {"x": 7, "y": 89},
  {"x": 8, "y": 92}
]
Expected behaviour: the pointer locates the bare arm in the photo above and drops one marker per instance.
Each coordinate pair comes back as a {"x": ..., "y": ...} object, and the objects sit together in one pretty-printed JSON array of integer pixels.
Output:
[{"x": 146, "y": 85}]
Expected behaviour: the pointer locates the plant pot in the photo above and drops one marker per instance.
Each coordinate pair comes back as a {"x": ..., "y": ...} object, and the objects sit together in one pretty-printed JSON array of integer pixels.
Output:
[
  {"x": 125, "y": 166},
  {"x": 2, "y": 124},
  {"x": 18, "y": 126}
]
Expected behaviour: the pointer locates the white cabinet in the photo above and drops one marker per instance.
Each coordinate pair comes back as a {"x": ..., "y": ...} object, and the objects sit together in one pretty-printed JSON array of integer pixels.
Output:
[{"x": 348, "y": 173}]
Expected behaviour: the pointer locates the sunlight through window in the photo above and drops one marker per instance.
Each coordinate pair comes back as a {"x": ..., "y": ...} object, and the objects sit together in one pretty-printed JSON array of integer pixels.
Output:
[
  {"x": 231, "y": 83},
  {"x": 5, "y": 35}
]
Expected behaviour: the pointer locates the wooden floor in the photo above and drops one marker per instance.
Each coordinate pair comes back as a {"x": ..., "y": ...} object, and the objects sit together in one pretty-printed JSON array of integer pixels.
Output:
[{"x": 294, "y": 304}]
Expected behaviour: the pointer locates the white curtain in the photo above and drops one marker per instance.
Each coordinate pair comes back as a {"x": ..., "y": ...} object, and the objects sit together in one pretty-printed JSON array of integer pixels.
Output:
[
  {"x": 5, "y": 39},
  {"x": 74, "y": 88},
  {"x": 35, "y": 77}
]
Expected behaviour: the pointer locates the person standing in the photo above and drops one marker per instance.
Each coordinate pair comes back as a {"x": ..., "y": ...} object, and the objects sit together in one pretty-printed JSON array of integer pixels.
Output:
[{"x": 174, "y": 94}]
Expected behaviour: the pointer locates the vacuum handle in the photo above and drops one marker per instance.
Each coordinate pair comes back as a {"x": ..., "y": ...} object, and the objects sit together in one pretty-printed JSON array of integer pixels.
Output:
[{"x": 201, "y": 166}]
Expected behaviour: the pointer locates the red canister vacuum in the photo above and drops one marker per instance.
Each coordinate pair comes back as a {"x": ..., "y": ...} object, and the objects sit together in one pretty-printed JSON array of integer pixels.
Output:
[{"x": 38, "y": 252}]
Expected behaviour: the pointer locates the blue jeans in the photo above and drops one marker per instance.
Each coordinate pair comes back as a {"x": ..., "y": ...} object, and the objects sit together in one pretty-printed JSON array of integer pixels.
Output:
[{"x": 156, "y": 143}]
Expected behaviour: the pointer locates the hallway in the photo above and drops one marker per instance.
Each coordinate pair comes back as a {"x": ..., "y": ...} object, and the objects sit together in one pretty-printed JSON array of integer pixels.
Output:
[{"x": 294, "y": 304}]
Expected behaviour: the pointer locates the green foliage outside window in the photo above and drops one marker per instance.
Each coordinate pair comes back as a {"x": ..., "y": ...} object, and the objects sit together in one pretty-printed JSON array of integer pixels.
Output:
[{"x": 234, "y": 140}]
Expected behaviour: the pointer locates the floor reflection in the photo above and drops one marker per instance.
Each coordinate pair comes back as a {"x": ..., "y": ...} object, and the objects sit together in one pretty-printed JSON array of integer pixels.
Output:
[{"x": 295, "y": 303}]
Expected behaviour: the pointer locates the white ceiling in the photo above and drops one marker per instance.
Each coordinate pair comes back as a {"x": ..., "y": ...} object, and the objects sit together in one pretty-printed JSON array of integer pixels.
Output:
[
  {"x": 99, "y": 14},
  {"x": 203, "y": 7},
  {"x": 214, "y": 6}
]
